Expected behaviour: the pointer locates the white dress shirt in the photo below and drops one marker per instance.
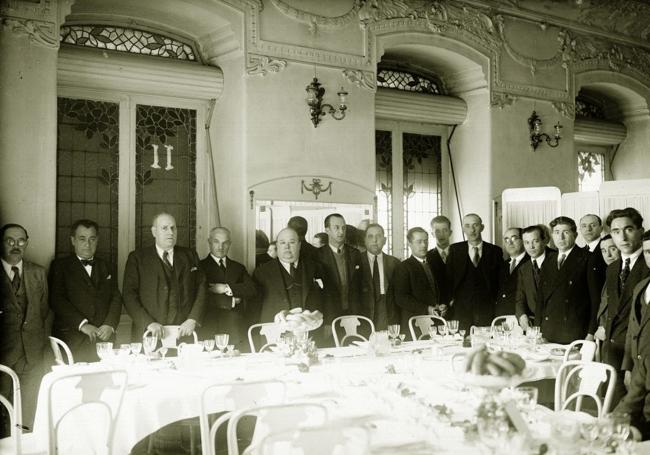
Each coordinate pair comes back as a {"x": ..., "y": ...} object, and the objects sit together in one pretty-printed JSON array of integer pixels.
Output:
[
  {"x": 87, "y": 268},
  {"x": 539, "y": 259},
  {"x": 471, "y": 250},
  {"x": 633, "y": 257},
  {"x": 170, "y": 254},
  {"x": 287, "y": 265},
  {"x": 517, "y": 260},
  {"x": 593, "y": 245},
  {"x": 9, "y": 272}
]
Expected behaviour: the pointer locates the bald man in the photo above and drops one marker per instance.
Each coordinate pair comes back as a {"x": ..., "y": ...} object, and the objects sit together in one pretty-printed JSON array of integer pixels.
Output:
[{"x": 163, "y": 284}]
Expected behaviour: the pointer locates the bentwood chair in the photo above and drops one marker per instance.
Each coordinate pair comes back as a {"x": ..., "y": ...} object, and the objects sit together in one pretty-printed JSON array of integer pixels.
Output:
[
  {"x": 511, "y": 318},
  {"x": 271, "y": 332},
  {"x": 577, "y": 379},
  {"x": 231, "y": 397},
  {"x": 587, "y": 350},
  {"x": 58, "y": 345},
  {"x": 424, "y": 323},
  {"x": 350, "y": 325},
  {"x": 320, "y": 440},
  {"x": 275, "y": 419},
  {"x": 13, "y": 443}
]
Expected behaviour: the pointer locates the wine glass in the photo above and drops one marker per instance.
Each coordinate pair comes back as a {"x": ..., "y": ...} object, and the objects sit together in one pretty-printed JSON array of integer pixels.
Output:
[
  {"x": 208, "y": 345},
  {"x": 136, "y": 348},
  {"x": 149, "y": 343},
  {"x": 163, "y": 351},
  {"x": 462, "y": 332},
  {"x": 393, "y": 332},
  {"x": 453, "y": 326},
  {"x": 104, "y": 349},
  {"x": 443, "y": 330},
  {"x": 221, "y": 340}
]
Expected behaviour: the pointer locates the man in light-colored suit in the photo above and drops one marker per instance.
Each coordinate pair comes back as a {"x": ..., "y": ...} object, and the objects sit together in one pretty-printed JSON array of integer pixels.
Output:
[
  {"x": 25, "y": 318},
  {"x": 163, "y": 284},
  {"x": 376, "y": 291}
]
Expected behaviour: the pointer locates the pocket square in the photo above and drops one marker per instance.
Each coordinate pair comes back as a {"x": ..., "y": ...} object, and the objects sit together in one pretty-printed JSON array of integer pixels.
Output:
[
  {"x": 193, "y": 269},
  {"x": 108, "y": 277},
  {"x": 356, "y": 267},
  {"x": 319, "y": 282}
]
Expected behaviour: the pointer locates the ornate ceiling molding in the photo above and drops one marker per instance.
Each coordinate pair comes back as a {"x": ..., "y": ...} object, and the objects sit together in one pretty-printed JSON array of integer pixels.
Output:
[
  {"x": 567, "y": 110},
  {"x": 316, "y": 21},
  {"x": 362, "y": 79},
  {"x": 261, "y": 65},
  {"x": 39, "y": 32},
  {"x": 502, "y": 100}
]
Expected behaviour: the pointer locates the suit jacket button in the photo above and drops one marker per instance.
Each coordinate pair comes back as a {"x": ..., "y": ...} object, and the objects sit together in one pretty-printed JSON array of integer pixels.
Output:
[
  {"x": 546, "y": 318},
  {"x": 504, "y": 296},
  {"x": 638, "y": 357}
]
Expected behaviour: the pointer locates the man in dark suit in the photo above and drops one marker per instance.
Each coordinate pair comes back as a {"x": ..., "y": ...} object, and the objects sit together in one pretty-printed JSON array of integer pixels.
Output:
[
  {"x": 637, "y": 352},
  {"x": 415, "y": 288},
  {"x": 610, "y": 254},
  {"x": 230, "y": 291},
  {"x": 529, "y": 275},
  {"x": 590, "y": 228},
  {"x": 569, "y": 297},
  {"x": 508, "y": 280},
  {"x": 289, "y": 281},
  {"x": 437, "y": 256},
  {"x": 299, "y": 224},
  {"x": 25, "y": 319},
  {"x": 626, "y": 228},
  {"x": 473, "y": 269},
  {"x": 342, "y": 272},
  {"x": 163, "y": 284},
  {"x": 84, "y": 295},
  {"x": 378, "y": 267}
]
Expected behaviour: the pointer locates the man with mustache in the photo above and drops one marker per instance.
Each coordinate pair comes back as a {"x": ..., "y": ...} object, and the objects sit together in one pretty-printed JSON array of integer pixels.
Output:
[
  {"x": 25, "y": 319},
  {"x": 163, "y": 284}
]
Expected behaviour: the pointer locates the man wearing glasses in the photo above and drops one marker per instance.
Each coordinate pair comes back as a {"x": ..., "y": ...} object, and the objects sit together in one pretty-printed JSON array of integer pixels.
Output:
[{"x": 25, "y": 318}]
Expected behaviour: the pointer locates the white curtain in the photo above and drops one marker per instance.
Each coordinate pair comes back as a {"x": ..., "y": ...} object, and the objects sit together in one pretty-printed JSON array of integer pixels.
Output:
[
  {"x": 626, "y": 193},
  {"x": 524, "y": 207},
  {"x": 577, "y": 205}
]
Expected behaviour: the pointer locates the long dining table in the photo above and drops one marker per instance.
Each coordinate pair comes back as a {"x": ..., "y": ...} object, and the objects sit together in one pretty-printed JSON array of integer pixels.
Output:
[{"x": 411, "y": 400}]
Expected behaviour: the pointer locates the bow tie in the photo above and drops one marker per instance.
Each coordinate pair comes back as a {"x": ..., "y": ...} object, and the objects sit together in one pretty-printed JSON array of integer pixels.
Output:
[{"x": 88, "y": 262}]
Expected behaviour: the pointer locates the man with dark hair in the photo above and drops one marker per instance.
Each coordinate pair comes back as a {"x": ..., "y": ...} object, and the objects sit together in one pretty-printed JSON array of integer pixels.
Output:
[
  {"x": 342, "y": 271},
  {"x": 626, "y": 228},
  {"x": 568, "y": 302},
  {"x": 163, "y": 284},
  {"x": 84, "y": 294},
  {"x": 25, "y": 318},
  {"x": 637, "y": 352},
  {"x": 416, "y": 290},
  {"x": 610, "y": 253},
  {"x": 378, "y": 268},
  {"x": 473, "y": 269},
  {"x": 508, "y": 279},
  {"x": 535, "y": 243},
  {"x": 591, "y": 227},
  {"x": 230, "y": 291},
  {"x": 437, "y": 256},
  {"x": 299, "y": 224}
]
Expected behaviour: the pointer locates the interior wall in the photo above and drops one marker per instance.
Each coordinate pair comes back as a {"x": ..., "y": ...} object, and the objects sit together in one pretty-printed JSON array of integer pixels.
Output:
[{"x": 632, "y": 159}]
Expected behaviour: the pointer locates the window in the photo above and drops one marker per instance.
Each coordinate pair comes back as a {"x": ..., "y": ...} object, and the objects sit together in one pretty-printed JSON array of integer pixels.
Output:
[
  {"x": 591, "y": 169},
  {"x": 408, "y": 81},
  {"x": 384, "y": 183}
]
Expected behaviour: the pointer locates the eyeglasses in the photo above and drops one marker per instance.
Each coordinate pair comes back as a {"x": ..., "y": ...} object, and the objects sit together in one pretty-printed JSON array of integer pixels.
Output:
[
  {"x": 11, "y": 242},
  {"x": 511, "y": 239}
]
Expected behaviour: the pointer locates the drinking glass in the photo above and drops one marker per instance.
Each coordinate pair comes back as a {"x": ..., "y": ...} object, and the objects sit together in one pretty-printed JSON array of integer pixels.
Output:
[
  {"x": 125, "y": 350},
  {"x": 433, "y": 332},
  {"x": 453, "y": 326},
  {"x": 208, "y": 345},
  {"x": 221, "y": 340},
  {"x": 136, "y": 348},
  {"x": 443, "y": 330},
  {"x": 163, "y": 352},
  {"x": 104, "y": 350},
  {"x": 393, "y": 331},
  {"x": 462, "y": 332},
  {"x": 149, "y": 343}
]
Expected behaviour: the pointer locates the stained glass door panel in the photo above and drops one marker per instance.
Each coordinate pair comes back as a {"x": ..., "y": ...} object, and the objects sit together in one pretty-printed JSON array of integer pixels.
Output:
[
  {"x": 165, "y": 171},
  {"x": 87, "y": 172}
]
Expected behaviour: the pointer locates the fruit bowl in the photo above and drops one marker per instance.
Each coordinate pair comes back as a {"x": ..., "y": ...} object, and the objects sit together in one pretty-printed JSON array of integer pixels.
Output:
[
  {"x": 487, "y": 381},
  {"x": 490, "y": 370}
]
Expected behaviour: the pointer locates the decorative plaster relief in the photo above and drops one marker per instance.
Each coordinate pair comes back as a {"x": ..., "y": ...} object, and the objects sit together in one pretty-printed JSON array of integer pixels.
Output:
[
  {"x": 261, "y": 65},
  {"x": 40, "y": 33},
  {"x": 34, "y": 10},
  {"x": 502, "y": 100},
  {"x": 362, "y": 79},
  {"x": 567, "y": 110},
  {"x": 627, "y": 17},
  {"x": 316, "y": 21}
]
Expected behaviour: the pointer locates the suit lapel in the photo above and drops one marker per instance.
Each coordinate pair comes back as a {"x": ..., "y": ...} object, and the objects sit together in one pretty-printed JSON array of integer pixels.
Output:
[
  {"x": 180, "y": 263},
  {"x": 9, "y": 290},
  {"x": 79, "y": 270},
  {"x": 632, "y": 280},
  {"x": 645, "y": 314}
]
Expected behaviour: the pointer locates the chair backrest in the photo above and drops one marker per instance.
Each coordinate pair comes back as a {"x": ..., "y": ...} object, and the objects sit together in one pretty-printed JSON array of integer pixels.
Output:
[
  {"x": 72, "y": 394},
  {"x": 501, "y": 319},
  {"x": 270, "y": 330},
  {"x": 350, "y": 324},
  {"x": 232, "y": 396},
  {"x": 57, "y": 345},
  {"x": 577, "y": 379},
  {"x": 14, "y": 410},
  {"x": 424, "y": 323},
  {"x": 170, "y": 336},
  {"x": 275, "y": 419},
  {"x": 322, "y": 440},
  {"x": 587, "y": 350}
]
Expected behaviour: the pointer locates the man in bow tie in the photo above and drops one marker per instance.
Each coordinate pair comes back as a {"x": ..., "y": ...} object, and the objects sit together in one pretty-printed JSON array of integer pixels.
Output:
[
  {"x": 84, "y": 294},
  {"x": 163, "y": 284}
]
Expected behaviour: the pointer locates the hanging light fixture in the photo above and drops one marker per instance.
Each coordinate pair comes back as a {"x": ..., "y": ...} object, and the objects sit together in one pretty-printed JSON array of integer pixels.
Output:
[
  {"x": 318, "y": 109},
  {"x": 536, "y": 135}
]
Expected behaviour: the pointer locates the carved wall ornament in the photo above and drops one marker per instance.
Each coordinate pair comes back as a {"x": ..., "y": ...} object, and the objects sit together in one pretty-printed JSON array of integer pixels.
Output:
[
  {"x": 316, "y": 21},
  {"x": 567, "y": 110},
  {"x": 362, "y": 79},
  {"x": 502, "y": 100},
  {"x": 261, "y": 65},
  {"x": 316, "y": 187},
  {"x": 627, "y": 17},
  {"x": 40, "y": 33}
]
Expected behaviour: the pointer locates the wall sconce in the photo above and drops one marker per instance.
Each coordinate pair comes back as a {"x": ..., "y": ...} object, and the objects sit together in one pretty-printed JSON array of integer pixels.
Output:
[
  {"x": 536, "y": 135},
  {"x": 317, "y": 109}
]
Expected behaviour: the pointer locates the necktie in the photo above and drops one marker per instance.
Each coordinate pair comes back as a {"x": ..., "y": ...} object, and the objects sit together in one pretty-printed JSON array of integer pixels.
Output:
[
  {"x": 376, "y": 283},
  {"x": 587, "y": 248},
  {"x": 443, "y": 256},
  {"x": 536, "y": 273},
  {"x": 88, "y": 262},
  {"x": 222, "y": 265},
  {"x": 561, "y": 261},
  {"x": 292, "y": 270},
  {"x": 15, "y": 282},
  {"x": 476, "y": 257},
  {"x": 427, "y": 272},
  {"x": 166, "y": 260},
  {"x": 625, "y": 272},
  {"x": 513, "y": 264}
]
